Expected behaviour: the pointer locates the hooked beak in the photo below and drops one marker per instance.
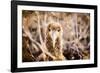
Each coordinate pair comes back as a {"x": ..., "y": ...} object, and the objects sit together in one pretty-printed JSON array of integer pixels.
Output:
[{"x": 54, "y": 38}]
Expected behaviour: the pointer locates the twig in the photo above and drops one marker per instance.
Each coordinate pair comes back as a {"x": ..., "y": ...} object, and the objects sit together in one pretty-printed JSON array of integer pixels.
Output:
[{"x": 33, "y": 41}]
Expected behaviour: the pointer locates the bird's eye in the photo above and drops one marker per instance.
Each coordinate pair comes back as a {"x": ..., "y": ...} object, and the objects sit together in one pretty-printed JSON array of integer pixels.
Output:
[
  {"x": 33, "y": 29},
  {"x": 58, "y": 29},
  {"x": 49, "y": 29}
]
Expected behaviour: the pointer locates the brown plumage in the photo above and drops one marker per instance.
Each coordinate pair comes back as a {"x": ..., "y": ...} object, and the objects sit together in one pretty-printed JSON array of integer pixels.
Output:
[{"x": 54, "y": 40}]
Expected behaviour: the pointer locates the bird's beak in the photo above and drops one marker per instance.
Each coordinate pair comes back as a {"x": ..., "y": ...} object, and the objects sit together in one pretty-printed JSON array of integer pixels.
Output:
[{"x": 54, "y": 36}]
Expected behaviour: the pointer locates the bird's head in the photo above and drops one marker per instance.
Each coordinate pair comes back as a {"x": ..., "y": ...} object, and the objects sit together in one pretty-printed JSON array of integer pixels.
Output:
[{"x": 54, "y": 31}]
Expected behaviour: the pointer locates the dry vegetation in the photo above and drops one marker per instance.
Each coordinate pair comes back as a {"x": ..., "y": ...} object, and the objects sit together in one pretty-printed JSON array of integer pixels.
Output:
[{"x": 75, "y": 35}]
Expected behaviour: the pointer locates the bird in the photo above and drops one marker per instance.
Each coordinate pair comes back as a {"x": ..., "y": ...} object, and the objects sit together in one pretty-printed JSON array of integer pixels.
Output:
[{"x": 54, "y": 40}]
